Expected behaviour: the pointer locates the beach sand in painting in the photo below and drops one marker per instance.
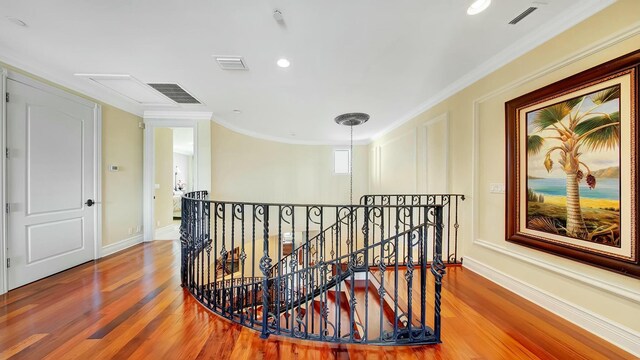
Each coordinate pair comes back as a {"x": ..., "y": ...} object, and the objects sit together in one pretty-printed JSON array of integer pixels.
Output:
[
  {"x": 597, "y": 214},
  {"x": 584, "y": 202}
]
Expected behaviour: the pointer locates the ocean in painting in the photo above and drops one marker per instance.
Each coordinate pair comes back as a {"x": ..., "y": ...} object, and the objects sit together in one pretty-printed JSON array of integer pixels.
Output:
[{"x": 606, "y": 188}]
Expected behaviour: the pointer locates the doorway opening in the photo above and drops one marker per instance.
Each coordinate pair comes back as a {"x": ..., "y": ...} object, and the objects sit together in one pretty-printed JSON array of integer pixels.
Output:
[
  {"x": 174, "y": 169},
  {"x": 193, "y": 139}
]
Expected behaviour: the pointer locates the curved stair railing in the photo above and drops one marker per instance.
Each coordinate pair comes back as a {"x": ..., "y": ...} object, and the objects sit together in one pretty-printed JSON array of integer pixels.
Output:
[
  {"x": 450, "y": 204},
  {"x": 353, "y": 281},
  {"x": 450, "y": 216}
]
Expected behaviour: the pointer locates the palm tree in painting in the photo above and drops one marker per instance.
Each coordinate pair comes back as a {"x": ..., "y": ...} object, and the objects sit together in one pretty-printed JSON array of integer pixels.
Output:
[{"x": 573, "y": 127}]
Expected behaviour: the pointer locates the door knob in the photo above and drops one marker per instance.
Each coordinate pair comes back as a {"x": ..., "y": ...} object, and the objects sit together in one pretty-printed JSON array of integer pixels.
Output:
[{"x": 90, "y": 203}]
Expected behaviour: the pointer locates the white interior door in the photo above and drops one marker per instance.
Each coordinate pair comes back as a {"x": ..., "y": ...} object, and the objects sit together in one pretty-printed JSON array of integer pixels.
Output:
[{"x": 50, "y": 178}]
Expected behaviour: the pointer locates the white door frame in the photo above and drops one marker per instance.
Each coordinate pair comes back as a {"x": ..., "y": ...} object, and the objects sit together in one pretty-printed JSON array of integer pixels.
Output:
[
  {"x": 97, "y": 171},
  {"x": 153, "y": 120}
]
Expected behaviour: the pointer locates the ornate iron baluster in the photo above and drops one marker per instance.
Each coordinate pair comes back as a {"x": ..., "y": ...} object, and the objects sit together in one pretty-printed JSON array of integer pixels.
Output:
[
  {"x": 265, "y": 267},
  {"x": 438, "y": 271}
]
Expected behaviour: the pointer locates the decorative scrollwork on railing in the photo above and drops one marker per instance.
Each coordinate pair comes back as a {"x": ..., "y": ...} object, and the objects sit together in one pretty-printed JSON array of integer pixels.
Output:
[
  {"x": 258, "y": 212},
  {"x": 219, "y": 211},
  {"x": 286, "y": 214},
  {"x": 238, "y": 212},
  {"x": 314, "y": 214},
  {"x": 314, "y": 285},
  {"x": 388, "y": 252},
  {"x": 415, "y": 237},
  {"x": 346, "y": 215},
  {"x": 375, "y": 216}
]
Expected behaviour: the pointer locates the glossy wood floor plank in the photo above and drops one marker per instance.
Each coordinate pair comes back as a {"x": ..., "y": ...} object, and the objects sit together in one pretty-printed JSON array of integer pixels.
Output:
[{"x": 131, "y": 306}]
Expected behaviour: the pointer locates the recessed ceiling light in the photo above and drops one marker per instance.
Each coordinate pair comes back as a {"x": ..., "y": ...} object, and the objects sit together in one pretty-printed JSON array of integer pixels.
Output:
[
  {"x": 16, "y": 21},
  {"x": 283, "y": 63},
  {"x": 237, "y": 111},
  {"x": 478, "y": 6}
]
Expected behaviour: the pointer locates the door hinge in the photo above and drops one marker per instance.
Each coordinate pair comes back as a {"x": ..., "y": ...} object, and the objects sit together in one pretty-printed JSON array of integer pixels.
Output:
[
  {"x": 6, "y": 97},
  {"x": 6, "y": 153},
  {"x": 8, "y": 263},
  {"x": 7, "y": 208}
]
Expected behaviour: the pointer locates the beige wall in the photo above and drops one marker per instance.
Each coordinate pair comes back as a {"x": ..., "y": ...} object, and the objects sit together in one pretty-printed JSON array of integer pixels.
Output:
[
  {"x": 412, "y": 159},
  {"x": 163, "y": 178},
  {"x": 566, "y": 54},
  {"x": 122, "y": 190},
  {"x": 245, "y": 168}
]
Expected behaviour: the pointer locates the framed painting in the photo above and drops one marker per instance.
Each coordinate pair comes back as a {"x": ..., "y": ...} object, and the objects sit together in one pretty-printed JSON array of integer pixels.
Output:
[{"x": 572, "y": 167}]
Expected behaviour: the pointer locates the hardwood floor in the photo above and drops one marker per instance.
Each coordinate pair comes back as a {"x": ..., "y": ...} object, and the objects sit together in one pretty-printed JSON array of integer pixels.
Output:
[{"x": 131, "y": 305}]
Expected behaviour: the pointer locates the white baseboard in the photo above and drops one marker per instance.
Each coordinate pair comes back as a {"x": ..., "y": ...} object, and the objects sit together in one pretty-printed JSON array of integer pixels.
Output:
[
  {"x": 169, "y": 232},
  {"x": 615, "y": 333},
  {"x": 626, "y": 292},
  {"x": 120, "y": 245}
]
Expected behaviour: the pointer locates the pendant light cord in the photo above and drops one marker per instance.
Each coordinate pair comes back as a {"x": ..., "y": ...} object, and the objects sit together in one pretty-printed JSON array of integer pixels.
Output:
[{"x": 351, "y": 168}]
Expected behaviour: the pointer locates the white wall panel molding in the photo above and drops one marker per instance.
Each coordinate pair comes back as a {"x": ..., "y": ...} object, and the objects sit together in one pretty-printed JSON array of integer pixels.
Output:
[
  {"x": 423, "y": 166},
  {"x": 408, "y": 159}
]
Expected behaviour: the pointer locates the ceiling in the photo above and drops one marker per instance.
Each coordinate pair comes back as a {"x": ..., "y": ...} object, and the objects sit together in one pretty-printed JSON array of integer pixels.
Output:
[{"x": 391, "y": 59}]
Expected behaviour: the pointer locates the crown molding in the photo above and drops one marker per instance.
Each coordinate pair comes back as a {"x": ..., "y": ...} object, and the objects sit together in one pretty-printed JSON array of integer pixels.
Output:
[
  {"x": 253, "y": 134},
  {"x": 66, "y": 80},
  {"x": 563, "y": 21}
]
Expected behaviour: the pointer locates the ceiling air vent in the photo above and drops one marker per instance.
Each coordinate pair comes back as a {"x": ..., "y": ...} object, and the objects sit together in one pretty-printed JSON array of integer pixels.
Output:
[
  {"x": 175, "y": 93},
  {"x": 524, "y": 14},
  {"x": 231, "y": 62}
]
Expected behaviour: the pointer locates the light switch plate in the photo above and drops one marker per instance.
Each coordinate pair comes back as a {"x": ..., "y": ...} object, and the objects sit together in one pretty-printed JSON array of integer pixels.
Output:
[{"x": 496, "y": 188}]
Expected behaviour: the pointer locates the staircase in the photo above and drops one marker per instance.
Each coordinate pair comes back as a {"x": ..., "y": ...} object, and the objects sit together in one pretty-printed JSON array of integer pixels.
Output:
[{"x": 355, "y": 281}]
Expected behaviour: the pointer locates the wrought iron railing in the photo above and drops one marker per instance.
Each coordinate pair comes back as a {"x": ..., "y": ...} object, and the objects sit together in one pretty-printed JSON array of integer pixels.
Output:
[
  {"x": 449, "y": 202},
  {"x": 450, "y": 216},
  {"x": 346, "y": 279}
]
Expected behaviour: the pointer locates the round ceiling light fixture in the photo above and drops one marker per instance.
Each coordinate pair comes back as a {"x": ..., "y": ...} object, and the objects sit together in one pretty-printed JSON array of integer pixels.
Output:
[
  {"x": 478, "y": 6},
  {"x": 283, "y": 63},
  {"x": 352, "y": 119}
]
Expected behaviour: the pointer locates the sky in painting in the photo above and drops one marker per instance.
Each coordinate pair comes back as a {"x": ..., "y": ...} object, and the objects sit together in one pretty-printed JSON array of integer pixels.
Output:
[{"x": 595, "y": 160}]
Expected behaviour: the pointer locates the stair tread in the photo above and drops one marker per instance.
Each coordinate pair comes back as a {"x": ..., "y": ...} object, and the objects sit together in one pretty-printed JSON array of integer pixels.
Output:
[
  {"x": 403, "y": 296},
  {"x": 369, "y": 308}
]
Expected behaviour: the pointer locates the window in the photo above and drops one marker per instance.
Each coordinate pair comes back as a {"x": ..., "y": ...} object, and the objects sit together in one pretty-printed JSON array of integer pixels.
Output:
[{"x": 341, "y": 159}]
